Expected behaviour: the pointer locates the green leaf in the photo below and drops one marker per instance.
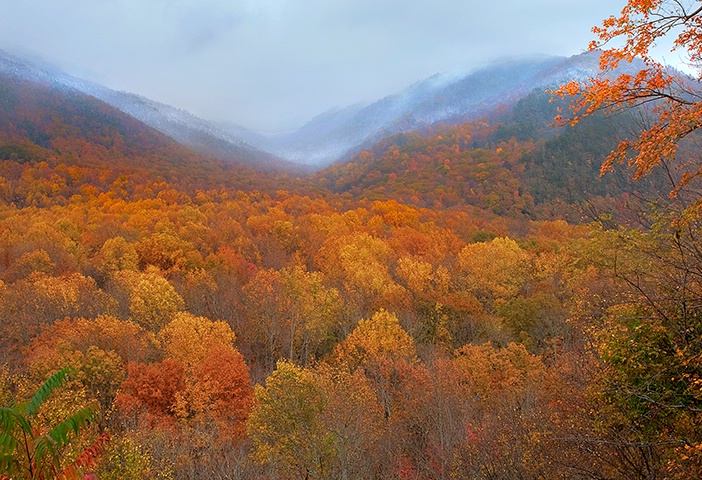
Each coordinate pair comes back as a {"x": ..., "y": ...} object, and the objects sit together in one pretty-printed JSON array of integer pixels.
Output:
[
  {"x": 8, "y": 443},
  {"x": 7, "y": 419},
  {"x": 51, "y": 384},
  {"x": 43, "y": 451},
  {"x": 75, "y": 422},
  {"x": 45, "y": 447}
]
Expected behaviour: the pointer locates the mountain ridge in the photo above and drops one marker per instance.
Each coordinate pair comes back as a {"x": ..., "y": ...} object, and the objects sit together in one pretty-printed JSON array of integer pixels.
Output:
[
  {"x": 441, "y": 98},
  {"x": 200, "y": 135},
  {"x": 339, "y": 133}
]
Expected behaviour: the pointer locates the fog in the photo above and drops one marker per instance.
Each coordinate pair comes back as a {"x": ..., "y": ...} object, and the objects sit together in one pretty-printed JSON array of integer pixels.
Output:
[{"x": 271, "y": 65}]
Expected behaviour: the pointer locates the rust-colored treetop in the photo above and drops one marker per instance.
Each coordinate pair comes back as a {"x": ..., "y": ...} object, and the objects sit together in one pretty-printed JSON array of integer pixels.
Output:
[{"x": 672, "y": 101}]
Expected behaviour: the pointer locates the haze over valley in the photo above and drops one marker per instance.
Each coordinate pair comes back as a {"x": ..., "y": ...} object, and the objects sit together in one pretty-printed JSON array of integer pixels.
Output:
[{"x": 333, "y": 135}]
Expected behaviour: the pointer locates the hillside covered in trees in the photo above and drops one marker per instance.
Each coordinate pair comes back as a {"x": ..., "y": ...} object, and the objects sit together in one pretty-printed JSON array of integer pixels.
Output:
[{"x": 467, "y": 301}]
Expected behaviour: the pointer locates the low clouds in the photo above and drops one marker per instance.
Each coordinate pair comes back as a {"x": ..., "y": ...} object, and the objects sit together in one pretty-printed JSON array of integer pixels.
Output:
[
  {"x": 272, "y": 64},
  {"x": 200, "y": 28}
]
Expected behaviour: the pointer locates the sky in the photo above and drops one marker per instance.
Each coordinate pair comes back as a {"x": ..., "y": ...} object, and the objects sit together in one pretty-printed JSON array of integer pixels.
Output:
[{"x": 272, "y": 65}]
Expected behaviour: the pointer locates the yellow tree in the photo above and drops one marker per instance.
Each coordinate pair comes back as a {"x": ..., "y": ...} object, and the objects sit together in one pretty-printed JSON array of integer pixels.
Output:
[
  {"x": 190, "y": 339},
  {"x": 352, "y": 412},
  {"x": 312, "y": 312},
  {"x": 322, "y": 423},
  {"x": 217, "y": 382},
  {"x": 296, "y": 315},
  {"x": 266, "y": 331},
  {"x": 358, "y": 263},
  {"x": 674, "y": 100},
  {"x": 117, "y": 254},
  {"x": 150, "y": 299},
  {"x": 376, "y": 339},
  {"x": 508, "y": 416},
  {"x": 98, "y": 351},
  {"x": 40, "y": 300},
  {"x": 286, "y": 427},
  {"x": 496, "y": 269},
  {"x": 385, "y": 353},
  {"x": 416, "y": 274}
]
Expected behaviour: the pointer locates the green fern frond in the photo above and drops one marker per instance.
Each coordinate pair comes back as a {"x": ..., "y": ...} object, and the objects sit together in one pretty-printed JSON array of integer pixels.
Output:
[
  {"x": 51, "y": 384},
  {"x": 24, "y": 452},
  {"x": 74, "y": 423},
  {"x": 7, "y": 419},
  {"x": 8, "y": 443},
  {"x": 45, "y": 453},
  {"x": 10, "y": 419}
]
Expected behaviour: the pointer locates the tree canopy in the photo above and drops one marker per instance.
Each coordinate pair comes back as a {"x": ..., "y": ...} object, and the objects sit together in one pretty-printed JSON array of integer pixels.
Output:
[{"x": 670, "y": 100}]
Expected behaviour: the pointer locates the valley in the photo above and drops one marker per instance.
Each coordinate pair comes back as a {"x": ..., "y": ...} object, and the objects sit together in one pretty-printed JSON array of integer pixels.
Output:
[{"x": 440, "y": 284}]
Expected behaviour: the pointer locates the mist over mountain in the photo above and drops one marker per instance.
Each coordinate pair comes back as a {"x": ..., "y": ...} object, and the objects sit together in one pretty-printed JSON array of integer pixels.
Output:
[
  {"x": 442, "y": 98},
  {"x": 487, "y": 92},
  {"x": 184, "y": 127}
]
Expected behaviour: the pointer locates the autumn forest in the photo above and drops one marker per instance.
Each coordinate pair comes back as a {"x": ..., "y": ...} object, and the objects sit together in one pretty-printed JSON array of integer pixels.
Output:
[{"x": 467, "y": 301}]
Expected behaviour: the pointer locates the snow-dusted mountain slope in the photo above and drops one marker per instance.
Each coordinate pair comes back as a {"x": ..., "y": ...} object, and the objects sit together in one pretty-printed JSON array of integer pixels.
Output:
[
  {"x": 337, "y": 133},
  {"x": 178, "y": 124},
  {"x": 449, "y": 99}
]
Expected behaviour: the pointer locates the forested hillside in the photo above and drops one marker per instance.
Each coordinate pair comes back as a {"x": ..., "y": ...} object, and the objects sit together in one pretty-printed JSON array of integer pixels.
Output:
[
  {"x": 467, "y": 301},
  {"x": 517, "y": 165}
]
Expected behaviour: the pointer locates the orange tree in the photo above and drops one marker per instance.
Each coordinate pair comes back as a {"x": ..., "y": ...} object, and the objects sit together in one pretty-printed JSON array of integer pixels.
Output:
[{"x": 673, "y": 100}]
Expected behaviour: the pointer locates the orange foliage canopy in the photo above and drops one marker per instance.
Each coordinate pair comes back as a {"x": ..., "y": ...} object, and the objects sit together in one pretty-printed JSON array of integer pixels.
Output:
[
  {"x": 675, "y": 101},
  {"x": 152, "y": 387}
]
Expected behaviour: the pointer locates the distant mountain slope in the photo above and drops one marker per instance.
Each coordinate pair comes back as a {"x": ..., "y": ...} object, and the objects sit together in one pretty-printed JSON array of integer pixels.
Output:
[
  {"x": 178, "y": 124},
  {"x": 443, "y": 99},
  {"x": 56, "y": 143},
  {"x": 489, "y": 92},
  {"x": 55, "y": 120},
  {"x": 518, "y": 167}
]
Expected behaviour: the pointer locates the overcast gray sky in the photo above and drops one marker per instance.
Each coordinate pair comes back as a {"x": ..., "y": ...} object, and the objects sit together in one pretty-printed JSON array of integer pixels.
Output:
[{"x": 271, "y": 65}]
